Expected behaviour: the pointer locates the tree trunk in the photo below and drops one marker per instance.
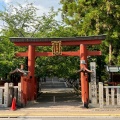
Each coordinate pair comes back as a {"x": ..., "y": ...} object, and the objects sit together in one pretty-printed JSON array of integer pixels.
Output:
[{"x": 110, "y": 54}]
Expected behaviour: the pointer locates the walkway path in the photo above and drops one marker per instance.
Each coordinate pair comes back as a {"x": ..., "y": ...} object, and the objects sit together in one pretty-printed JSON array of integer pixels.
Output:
[
  {"x": 59, "y": 104},
  {"x": 60, "y": 108}
]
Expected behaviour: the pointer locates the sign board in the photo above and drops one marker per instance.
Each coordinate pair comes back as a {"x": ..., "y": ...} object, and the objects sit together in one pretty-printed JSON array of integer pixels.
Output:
[
  {"x": 6, "y": 93},
  {"x": 93, "y": 83},
  {"x": 56, "y": 48},
  {"x": 1, "y": 95}
]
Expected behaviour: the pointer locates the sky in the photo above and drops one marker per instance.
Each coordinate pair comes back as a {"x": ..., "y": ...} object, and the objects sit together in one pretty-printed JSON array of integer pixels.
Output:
[{"x": 42, "y": 5}]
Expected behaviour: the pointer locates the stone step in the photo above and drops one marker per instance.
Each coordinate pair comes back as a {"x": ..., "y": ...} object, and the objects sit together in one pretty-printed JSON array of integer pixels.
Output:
[
  {"x": 54, "y": 79},
  {"x": 53, "y": 85}
]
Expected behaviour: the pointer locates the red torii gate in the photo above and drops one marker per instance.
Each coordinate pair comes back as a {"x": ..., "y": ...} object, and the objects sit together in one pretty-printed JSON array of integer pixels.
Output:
[{"x": 65, "y": 41}]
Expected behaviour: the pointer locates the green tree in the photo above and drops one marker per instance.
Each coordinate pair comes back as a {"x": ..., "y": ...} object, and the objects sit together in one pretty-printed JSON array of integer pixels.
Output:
[
  {"x": 18, "y": 22},
  {"x": 23, "y": 22},
  {"x": 95, "y": 17}
]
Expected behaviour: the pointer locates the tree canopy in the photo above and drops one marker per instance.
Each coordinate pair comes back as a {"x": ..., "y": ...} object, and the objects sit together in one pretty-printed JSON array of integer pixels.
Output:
[
  {"x": 79, "y": 18},
  {"x": 23, "y": 22},
  {"x": 95, "y": 17}
]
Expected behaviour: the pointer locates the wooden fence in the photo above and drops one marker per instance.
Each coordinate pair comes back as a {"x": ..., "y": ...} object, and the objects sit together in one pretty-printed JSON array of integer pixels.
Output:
[{"x": 8, "y": 92}]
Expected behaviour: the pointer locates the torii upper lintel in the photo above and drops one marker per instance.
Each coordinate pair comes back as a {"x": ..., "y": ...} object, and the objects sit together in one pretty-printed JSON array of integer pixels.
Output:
[{"x": 65, "y": 41}]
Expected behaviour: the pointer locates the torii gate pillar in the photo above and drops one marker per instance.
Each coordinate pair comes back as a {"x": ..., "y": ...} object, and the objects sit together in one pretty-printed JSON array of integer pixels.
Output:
[
  {"x": 31, "y": 68},
  {"x": 83, "y": 75}
]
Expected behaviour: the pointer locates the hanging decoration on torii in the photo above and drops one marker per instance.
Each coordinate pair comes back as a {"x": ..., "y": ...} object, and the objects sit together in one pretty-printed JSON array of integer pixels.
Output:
[{"x": 56, "y": 48}]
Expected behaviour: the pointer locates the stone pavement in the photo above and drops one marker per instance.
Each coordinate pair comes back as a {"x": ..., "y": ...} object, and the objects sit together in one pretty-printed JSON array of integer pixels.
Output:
[
  {"x": 58, "y": 104},
  {"x": 58, "y": 109}
]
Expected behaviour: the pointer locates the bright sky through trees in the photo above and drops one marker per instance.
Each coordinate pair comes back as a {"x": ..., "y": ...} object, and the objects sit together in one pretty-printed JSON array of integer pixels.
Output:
[{"x": 42, "y": 5}]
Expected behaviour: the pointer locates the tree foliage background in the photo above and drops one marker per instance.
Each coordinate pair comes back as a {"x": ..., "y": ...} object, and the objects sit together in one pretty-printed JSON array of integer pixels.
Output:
[
  {"x": 94, "y": 17},
  {"x": 79, "y": 18}
]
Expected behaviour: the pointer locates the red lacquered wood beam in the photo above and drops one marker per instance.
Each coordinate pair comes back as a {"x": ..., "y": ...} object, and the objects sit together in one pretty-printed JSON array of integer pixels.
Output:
[
  {"x": 43, "y": 54},
  {"x": 93, "y": 53},
  {"x": 64, "y": 43},
  {"x": 33, "y": 43},
  {"x": 77, "y": 43},
  {"x": 71, "y": 53},
  {"x": 21, "y": 54},
  {"x": 68, "y": 53}
]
